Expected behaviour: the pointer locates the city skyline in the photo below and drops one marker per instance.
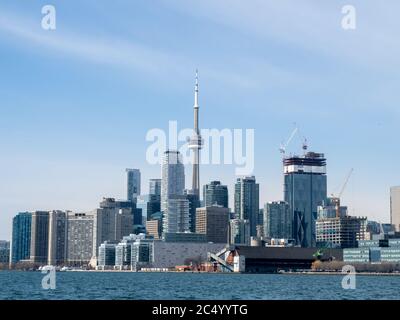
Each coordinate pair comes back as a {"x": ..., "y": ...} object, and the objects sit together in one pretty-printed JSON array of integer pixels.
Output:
[{"x": 53, "y": 139}]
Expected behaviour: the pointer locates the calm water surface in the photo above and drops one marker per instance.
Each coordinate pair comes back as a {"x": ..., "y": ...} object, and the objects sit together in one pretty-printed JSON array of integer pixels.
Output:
[{"x": 130, "y": 285}]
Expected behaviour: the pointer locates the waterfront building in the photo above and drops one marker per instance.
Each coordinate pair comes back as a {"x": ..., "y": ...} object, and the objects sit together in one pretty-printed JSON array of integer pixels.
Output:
[
  {"x": 57, "y": 237},
  {"x": 106, "y": 258},
  {"x": 213, "y": 221},
  {"x": 342, "y": 232},
  {"x": 277, "y": 220},
  {"x": 374, "y": 251},
  {"x": 215, "y": 193},
  {"x": 112, "y": 221},
  {"x": 39, "y": 237},
  {"x": 21, "y": 237},
  {"x": 80, "y": 238},
  {"x": 305, "y": 188},
  {"x": 133, "y": 184},
  {"x": 123, "y": 251},
  {"x": 239, "y": 231},
  {"x": 4, "y": 252},
  {"x": 247, "y": 202}
]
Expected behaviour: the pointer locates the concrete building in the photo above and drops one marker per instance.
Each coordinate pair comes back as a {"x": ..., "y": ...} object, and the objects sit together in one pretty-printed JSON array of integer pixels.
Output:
[
  {"x": 39, "y": 237},
  {"x": 213, "y": 221},
  {"x": 159, "y": 254},
  {"x": 57, "y": 237},
  {"x": 153, "y": 229},
  {"x": 239, "y": 232},
  {"x": 21, "y": 237},
  {"x": 155, "y": 187},
  {"x": 277, "y": 220},
  {"x": 215, "y": 193},
  {"x": 395, "y": 207},
  {"x": 305, "y": 188},
  {"x": 80, "y": 238},
  {"x": 341, "y": 232},
  {"x": 133, "y": 184},
  {"x": 247, "y": 202},
  {"x": 112, "y": 221}
]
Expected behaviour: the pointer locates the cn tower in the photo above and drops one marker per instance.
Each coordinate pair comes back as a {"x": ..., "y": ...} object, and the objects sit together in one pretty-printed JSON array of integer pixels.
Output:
[{"x": 195, "y": 143}]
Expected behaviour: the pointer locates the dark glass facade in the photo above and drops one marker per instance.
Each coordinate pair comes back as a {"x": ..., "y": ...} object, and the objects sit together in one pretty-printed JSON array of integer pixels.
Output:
[{"x": 21, "y": 237}]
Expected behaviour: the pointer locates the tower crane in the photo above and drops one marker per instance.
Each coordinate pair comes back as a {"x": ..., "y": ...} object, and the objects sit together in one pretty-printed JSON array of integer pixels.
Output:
[
  {"x": 336, "y": 199},
  {"x": 295, "y": 131}
]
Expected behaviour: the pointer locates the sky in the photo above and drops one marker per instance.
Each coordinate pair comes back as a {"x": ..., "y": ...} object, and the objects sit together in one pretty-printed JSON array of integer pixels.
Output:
[{"x": 77, "y": 102}]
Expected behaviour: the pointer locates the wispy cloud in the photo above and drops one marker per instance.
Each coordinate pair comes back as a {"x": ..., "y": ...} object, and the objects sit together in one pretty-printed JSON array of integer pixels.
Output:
[{"x": 135, "y": 57}]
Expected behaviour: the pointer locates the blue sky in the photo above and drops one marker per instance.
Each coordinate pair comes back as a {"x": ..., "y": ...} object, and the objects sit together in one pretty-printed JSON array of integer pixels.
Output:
[{"x": 76, "y": 103}]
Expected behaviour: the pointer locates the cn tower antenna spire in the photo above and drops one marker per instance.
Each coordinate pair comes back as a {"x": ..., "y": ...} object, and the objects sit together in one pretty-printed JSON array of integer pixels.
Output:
[{"x": 196, "y": 141}]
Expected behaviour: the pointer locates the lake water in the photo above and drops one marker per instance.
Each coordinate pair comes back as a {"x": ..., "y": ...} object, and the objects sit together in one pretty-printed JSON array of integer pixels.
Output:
[{"x": 130, "y": 285}]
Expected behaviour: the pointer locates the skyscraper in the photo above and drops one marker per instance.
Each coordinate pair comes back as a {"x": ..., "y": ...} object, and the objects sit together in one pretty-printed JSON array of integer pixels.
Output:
[
  {"x": 247, "y": 201},
  {"x": 213, "y": 221},
  {"x": 277, "y": 220},
  {"x": 239, "y": 232},
  {"x": 112, "y": 221},
  {"x": 304, "y": 190},
  {"x": 57, "y": 237},
  {"x": 80, "y": 238},
  {"x": 195, "y": 143},
  {"x": 395, "y": 207},
  {"x": 173, "y": 177},
  {"x": 215, "y": 193},
  {"x": 176, "y": 216},
  {"x": 39, "y": 237},
  {"x": 133, "y": 184},
  {"x": 155, "y": 187},
  {"x": 21, "y": 237}
]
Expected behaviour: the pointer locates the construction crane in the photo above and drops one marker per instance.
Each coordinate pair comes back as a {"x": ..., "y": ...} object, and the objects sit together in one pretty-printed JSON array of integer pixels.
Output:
[
  {"x": 283, "y": 147},
  {"x": 336, "y": 199},
  {"x": 295, "y": 131}
]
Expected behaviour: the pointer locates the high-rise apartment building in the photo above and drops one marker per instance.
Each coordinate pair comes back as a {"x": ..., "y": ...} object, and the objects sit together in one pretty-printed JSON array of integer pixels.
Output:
[
  {"x": 80, "y": 238},
  {"x": 277, "y": 220},
  {"x": 112, "y": 221},
  {"x": 239, "y": 232},
  {"x": 21, "y": 237},
  {"x": 305, "y": 188},
  {"x": 213, "y": 221},
  {"x": 57, "y": 254},
  {"x": 176, "y": 215},
  {"x": 133, "y": 184},
  {"x": 247, "y": 202},
  {"x": 215, "y": 193},
  {"x": 39, "y": 237}
]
